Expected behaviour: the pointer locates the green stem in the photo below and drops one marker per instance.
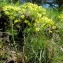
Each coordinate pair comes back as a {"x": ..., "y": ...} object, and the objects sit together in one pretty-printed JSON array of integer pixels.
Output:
[{"x": 12, "y": 32}]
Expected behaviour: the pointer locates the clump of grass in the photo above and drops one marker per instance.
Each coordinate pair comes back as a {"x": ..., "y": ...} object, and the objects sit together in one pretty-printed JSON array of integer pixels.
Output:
[{"x": 38, "y": 49}]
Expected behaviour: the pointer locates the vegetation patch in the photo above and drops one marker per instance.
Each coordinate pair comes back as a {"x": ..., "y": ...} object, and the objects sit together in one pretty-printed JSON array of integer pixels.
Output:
[{"x": 31, "y": 33}]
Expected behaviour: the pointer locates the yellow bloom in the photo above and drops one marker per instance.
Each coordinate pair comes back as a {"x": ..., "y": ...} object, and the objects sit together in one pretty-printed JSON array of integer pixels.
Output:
[
  {"x": 22, "y": 16},
  {"x": 53, "y": 27},
  {"x": 26, "y": 21},
  {"x": 50, "y": 31},
  {"x": 7, "y": 13},
  {"x": 35, "y": 24},
  {"x": 37, "y": 29},
  {"x": 16, "y": 21}
]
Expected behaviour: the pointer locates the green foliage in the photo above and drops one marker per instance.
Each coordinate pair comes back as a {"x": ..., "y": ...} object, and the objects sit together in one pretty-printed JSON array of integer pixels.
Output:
[
  {"x": 36, "y": 27},
  {"x": 32, "y": 15},
  {"x": 36, "y": 48}
]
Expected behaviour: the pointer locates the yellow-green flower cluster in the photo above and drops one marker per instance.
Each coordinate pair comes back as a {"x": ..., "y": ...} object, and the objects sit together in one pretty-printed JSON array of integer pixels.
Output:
[
  {"x": 34, "y": 9},
  {"x": 11, "y": 11},
  {"x": 60, "y": 16},
  {"x": 44, "y": 22},
  {"x": 27, "y": 13},
  {"x": 10, "y": 7}
]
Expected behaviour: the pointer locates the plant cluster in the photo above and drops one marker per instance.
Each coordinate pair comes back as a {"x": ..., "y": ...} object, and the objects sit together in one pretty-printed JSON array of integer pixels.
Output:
[
  {"x": 30, "y": 14},
  {"x": 31, "y": 27}
]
